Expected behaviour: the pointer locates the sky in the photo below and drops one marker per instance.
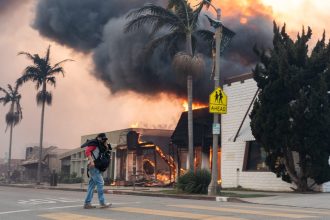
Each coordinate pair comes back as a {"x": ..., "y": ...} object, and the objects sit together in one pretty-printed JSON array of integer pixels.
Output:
[{"x": 93, "y": 97}]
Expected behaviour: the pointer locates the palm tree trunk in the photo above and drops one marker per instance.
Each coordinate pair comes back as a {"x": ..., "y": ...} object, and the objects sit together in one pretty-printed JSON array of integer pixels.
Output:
[
  {"x": 190, "y": 160},
  {"x": 41, "y": 136},
  {"x": 9, "y": 155}
]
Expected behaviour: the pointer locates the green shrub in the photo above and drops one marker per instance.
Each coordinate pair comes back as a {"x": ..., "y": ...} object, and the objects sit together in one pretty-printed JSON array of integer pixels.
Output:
[
  {"x": 203, "y": 179},
  {"x": 69, "y": 178},
  {"x": 192, "y": 182},
  {"x": 186, "y": 182}
]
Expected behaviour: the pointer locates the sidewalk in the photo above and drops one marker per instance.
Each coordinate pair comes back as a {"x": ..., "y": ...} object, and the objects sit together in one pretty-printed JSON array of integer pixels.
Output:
[{"x": 310, "y": 200}]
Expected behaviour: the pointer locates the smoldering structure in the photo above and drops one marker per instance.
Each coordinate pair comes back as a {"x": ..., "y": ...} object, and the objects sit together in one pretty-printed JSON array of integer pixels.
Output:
[{"x": 96, "y": 27}]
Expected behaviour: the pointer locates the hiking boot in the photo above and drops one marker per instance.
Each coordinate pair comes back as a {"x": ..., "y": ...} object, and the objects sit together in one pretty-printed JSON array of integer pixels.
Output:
[
  {"x": 105, "y": 205},
  {"x": 89, "y": 206}
]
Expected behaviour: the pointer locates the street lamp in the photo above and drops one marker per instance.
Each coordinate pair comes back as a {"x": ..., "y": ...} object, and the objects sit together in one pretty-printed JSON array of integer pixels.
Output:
[{"x": 222, "y": 38}]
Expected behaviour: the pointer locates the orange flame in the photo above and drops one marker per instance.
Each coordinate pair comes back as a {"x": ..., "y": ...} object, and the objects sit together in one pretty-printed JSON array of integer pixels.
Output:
[
  {"x": 243, "y": 8},
  {"x": 240, "y": 9},
  {"x": 243, "y": 20},
  {"x": 135, "y": 125},
  {"x": 151, "y": 162},
  {"x": 163, "y": 178},
  {"x": 194, "y": 106}
]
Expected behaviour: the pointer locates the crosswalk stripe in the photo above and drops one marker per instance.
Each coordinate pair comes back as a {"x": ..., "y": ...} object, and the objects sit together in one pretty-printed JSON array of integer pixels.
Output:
[
  {"x": 174, "y": 214},
  {"x": 294, "y": 209},
  {"x": 241, "y": 211},
  {"x": 69, "y": 216}
]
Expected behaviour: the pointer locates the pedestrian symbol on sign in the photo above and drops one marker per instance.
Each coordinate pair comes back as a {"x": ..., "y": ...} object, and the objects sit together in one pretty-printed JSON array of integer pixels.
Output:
[{"x": 218, "y": 102}]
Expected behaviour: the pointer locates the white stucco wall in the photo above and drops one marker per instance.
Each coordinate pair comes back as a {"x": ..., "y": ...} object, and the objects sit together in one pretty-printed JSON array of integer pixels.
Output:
[{"x": 239, "y": 98}]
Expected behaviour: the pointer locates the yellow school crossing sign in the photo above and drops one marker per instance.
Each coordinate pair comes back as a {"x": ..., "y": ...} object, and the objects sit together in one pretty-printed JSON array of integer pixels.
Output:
[{"x": 218, "y": 102}]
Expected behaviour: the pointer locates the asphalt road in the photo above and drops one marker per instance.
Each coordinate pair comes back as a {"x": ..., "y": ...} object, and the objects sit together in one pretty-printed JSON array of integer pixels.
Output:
[{"x": 37, "y": 204}]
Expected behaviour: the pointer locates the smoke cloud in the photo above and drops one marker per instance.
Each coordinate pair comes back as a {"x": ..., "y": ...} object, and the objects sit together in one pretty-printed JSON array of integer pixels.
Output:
[
  {"x": 6, "y": 5},
  {"x": 96, "y": 27},
  {"x": 240, "y": 57},
  {"x": 79, "y": 23},
  {"x": 120, "y": 65}
]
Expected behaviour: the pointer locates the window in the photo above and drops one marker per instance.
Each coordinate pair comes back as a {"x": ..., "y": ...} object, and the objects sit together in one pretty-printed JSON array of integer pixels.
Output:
[{"x": 255, "y": 157}]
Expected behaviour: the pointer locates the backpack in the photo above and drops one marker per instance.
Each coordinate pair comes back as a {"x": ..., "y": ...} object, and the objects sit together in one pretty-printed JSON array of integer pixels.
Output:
[{"x": 102, "y": 162}]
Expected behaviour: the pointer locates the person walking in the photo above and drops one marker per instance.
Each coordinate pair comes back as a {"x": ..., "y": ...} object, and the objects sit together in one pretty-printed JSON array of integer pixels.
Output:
[{"x": 98, "y": 153}]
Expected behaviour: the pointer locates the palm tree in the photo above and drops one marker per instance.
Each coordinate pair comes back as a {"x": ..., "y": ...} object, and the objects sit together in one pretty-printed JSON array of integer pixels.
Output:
[
  {"x": 14, "y": 116},
  {"x": 182, "y": 21},
  {"x": 41, "y": 73}
]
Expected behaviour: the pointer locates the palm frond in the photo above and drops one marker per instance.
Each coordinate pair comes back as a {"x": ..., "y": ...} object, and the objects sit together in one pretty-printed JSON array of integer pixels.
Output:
[
  {"x": 3, "y": 90},
  {"x": 30, "y": 74},
  {"x": 28, "y": 55},
  {"x": 10, "y": 88},
  {"x": 174, "y": 4},
  {"x": 206, "y": 35},
  {"x": 2, "y": 99},
  {"x": 152, "y": 10},
  {"x": 151, "y": 20},
  {"x": 5, "y": 100},
  {"x": 206, "y": 3},
  {"x": 195, "y": 15},
  {"x": 183, "y": 10},
  {"x": 59, "y": 63},
  {"x": 47, "y": 54},
  {"x": 165, "y": 40},
  {"x": 55, "y": 71},
  {"x": 44, "y": 97},
  {"x": 51, "y": 80},
  {"x": 16, "y": 86},
  {"x": 33, "y": 70},
  {"x": 14, "y": 116},
  {"x": 156, "y": 27},
  {"x": 19, "y": 109}
]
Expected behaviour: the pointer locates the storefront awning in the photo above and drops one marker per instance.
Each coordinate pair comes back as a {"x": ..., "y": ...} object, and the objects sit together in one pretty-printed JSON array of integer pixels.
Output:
[{"x": 32, "y": 162}]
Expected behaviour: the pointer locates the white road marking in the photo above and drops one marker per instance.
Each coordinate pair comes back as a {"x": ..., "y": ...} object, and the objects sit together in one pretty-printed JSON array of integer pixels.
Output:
[
  {"x": 10, "y": 212},
  {"x": 62, "y": 207},
  {"x": 74, "y": 206},
  {"x": 47, "y": 201}
]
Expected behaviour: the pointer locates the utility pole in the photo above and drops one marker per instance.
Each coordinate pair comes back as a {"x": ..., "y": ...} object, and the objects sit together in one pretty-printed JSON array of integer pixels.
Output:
[
  {"x": 222, "y": 38},
  {"x": 212, "y": 190}
]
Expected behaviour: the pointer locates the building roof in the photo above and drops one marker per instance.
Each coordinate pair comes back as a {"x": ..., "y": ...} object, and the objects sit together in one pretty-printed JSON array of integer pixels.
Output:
[
  {"x": 202, "y": 120},
  {"x": 68, "y": 153},
  {"x": 238, "y": 78},
  {"x": 118, "y": 137}
]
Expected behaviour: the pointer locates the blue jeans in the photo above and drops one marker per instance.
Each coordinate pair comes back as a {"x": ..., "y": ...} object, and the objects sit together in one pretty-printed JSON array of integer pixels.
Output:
[{"x": 96, "y": 179}]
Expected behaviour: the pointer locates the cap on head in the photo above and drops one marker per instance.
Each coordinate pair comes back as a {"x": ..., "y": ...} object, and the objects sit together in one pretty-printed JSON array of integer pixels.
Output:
[{"x": 102, "y": 136}]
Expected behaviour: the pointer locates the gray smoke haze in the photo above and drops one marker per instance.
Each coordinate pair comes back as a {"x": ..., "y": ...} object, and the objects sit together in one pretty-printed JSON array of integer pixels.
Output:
[
  {"x": 6, "y": 5},
  {"x": 239, "y": 56},
  {"x": 97, "y": 27}
]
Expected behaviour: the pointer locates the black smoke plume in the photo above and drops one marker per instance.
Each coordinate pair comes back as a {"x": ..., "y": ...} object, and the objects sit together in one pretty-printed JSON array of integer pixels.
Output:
[{"x": 96, "y": 27}]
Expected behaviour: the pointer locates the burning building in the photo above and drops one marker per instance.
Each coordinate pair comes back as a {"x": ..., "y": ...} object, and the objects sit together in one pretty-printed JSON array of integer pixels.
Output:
[
  {"x": 202, "y": 122},
  {"x": 142, "y": 156}
]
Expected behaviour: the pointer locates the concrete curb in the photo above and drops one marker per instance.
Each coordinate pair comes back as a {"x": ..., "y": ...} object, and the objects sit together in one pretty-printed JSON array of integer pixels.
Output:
[
  {"x": 155, "y": 194},
  {"x": 137, "y": 193}
]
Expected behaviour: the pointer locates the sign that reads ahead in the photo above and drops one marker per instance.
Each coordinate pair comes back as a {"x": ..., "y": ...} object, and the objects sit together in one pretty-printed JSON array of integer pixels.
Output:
[{"x": 218, "y": 102}]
